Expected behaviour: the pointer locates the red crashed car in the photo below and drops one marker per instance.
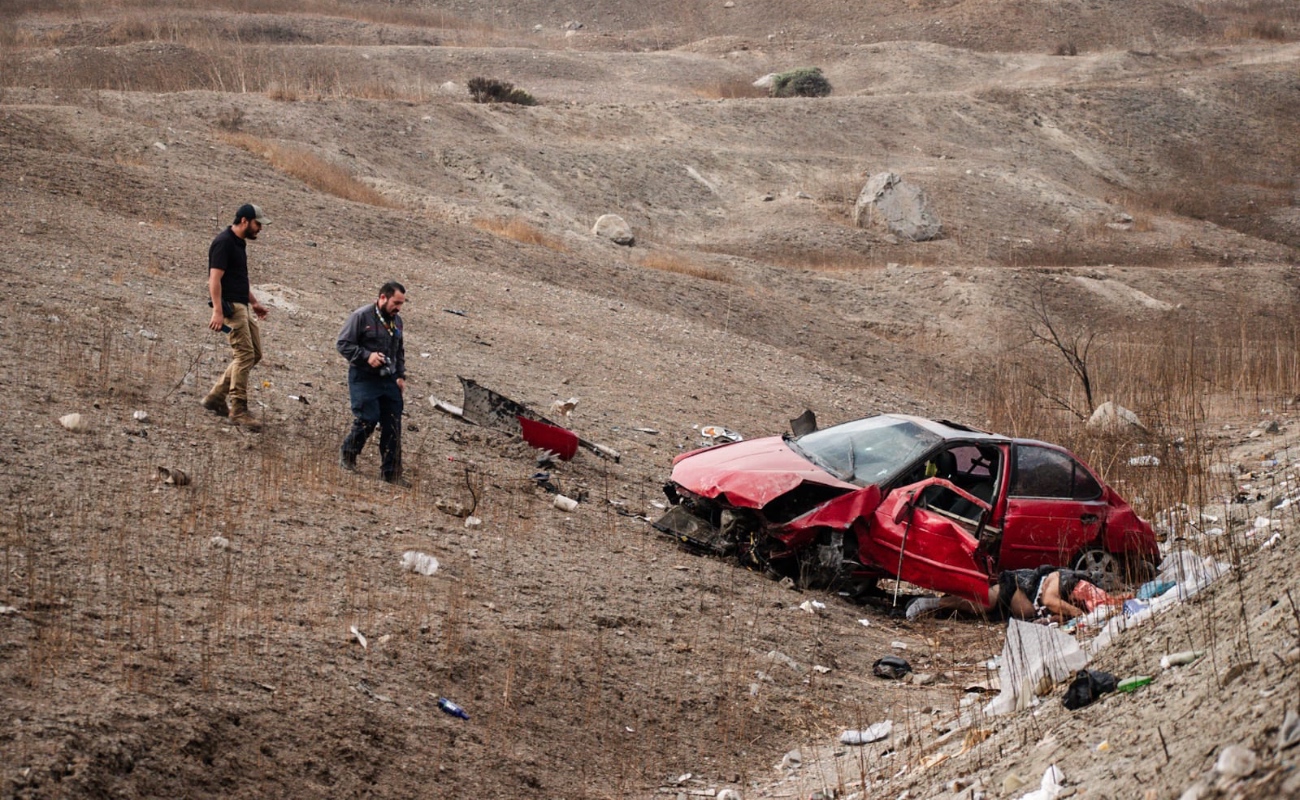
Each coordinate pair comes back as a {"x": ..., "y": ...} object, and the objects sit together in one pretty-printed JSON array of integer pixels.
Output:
[{"x": 936, "y": 504}]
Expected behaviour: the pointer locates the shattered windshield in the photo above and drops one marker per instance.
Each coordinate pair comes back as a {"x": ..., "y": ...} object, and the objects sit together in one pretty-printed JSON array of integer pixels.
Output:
[{"x": 866, "y": 451}]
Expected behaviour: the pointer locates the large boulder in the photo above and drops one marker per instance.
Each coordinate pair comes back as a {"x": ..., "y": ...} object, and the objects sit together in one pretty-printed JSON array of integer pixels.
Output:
[
  {"x": 901, "y": 207},
  {"x": 1113, "y": 418},
  {"x": 614, "y": 228}
]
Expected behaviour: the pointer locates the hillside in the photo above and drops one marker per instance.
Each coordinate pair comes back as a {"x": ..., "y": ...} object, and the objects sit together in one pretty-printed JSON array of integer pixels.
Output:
[{"x": 196, "y": 640}]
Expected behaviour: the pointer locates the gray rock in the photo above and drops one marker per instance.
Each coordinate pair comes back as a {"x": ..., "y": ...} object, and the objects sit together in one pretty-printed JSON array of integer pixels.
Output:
[
  {"x": 1236, "y": 761},
  {"x": 900, "y": 207},
  {"x": 1111, "y": 418},
  {"x": 614, "y": 228}
]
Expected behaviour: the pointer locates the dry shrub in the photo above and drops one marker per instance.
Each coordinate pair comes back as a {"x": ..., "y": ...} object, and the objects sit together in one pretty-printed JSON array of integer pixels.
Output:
[
  {"x": 282, "y": 94},
  {"x": 311, "y": 169},
  {"x": 520, "y": 231},
  {"x": 671, "y": 262}
]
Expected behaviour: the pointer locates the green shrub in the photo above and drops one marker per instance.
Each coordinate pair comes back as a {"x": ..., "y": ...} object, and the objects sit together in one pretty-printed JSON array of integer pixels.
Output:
[
  {"x": 490, "y": 90},
  {"x": 802, "y": 82}
]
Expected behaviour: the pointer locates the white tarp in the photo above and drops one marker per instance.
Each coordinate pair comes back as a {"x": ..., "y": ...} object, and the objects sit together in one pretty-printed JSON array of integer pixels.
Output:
[{"x": 1030, "y": 653}]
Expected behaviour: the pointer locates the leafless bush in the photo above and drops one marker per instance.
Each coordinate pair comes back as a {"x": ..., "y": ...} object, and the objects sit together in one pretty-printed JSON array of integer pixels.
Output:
[
  {"x": 491, "y": 90},
  {"x": 1067, "y": 48},
  {"x": 230, "y": 119}
]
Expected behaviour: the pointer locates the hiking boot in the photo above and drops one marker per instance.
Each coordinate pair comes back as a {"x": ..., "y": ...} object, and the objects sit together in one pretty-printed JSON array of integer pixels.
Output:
[
  {"x": 348, "y": 461},
  {"x": 241, "y": 416},
  {"x": 216, "y": 404},
  {"x": 397, "y": 480}
]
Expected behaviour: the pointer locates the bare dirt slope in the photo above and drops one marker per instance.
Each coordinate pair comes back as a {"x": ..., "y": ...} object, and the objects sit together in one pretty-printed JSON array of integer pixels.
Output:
[{"x": 1150, "y": 178}]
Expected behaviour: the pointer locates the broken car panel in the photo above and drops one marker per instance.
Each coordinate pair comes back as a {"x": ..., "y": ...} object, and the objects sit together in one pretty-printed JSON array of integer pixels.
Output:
[{"x": 934, "y": 503}]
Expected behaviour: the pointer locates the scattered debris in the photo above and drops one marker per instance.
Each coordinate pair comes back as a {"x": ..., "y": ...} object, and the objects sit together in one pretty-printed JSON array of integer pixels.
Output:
[
  {"x": 452, "y": 507},
  {"x": 423, "y": 563},
  {"x": 458, "y": 312},
  {"x": 172, "y": 476},
  {"x": 563, "y": 443},
  {"x": 485, "y": 407},
  {"x": 473, "y": 522},
  {"x": 75, "y": 423},
  {"x": 220, "y": 542},
  {"x": 1033, "y": 656},
  {"x": 140, "y": 416},
  {"x": 874, "y": 733},
  {"x": 716, "y": 434},
  {"x": 1087, "y": 687},
  {"x": 1236, "y": 761},
  {"x": 1287, "y": 735},
  {"x": 360, "y": 637},
  {"x": 891, "y": 667},
  {"x": 564, "y": 408},
  {"x": 565, "y": 503},
  {"x": 451, "y": 708},
  {"x": 1180, "y": 659}
]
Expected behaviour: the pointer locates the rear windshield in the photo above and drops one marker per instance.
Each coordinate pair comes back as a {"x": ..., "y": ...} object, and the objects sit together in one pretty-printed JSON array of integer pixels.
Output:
[{"x": 866, "y": 451}]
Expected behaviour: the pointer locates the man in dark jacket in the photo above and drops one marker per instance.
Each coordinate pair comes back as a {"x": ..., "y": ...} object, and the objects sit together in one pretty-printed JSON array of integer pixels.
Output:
[{"x": 371, "y": 341}]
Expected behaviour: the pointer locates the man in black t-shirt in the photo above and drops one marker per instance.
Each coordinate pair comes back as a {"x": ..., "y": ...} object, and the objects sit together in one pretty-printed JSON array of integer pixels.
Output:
[{"x": 231, "y": 299}]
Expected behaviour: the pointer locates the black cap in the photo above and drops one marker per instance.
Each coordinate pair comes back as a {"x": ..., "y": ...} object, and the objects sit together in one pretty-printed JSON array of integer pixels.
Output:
[{"x": 250, "y": 211}]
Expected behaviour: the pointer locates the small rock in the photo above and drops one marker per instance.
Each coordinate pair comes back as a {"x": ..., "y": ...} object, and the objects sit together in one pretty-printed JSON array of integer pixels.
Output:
[
  {"x": 1013, "y": 782},
  {"x": 1236, "y": 761},
  {"x": 792, "y": 760},
  {"x": 140, "y": 416},
  {"x": 148, "y": 334},
  {"x": 75, "y": 423},
  {"x": 220, "y": 542}
]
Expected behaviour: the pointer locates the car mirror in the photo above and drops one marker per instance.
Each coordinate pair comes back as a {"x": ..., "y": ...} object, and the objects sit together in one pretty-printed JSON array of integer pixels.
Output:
[{"x": 905, "y": 509}]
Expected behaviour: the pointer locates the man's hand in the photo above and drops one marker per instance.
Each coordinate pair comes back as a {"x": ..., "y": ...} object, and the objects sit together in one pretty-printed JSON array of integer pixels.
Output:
[
  {"x": 217, "y": 319},
  {"x": 258, "y": 309},
  {"x": 375, "y": 359},
  {"x": 401, "y": 385}
]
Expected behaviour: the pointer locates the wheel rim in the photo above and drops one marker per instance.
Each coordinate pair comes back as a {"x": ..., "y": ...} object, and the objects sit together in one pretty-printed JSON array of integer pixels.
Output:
[{"x": 1098, "y": 561}]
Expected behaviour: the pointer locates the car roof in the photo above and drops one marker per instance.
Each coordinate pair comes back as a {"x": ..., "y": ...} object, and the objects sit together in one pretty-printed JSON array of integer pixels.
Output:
[{"x": 954, "y": 430}]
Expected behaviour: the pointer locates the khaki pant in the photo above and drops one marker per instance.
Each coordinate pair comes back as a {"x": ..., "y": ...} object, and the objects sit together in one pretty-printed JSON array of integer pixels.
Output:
[{"x": 246, "y": 342}]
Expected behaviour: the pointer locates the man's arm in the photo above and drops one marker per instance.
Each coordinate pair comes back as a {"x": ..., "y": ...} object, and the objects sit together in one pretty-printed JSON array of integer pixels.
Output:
[
  {"x": 258, "y": 308},
  {"x": 214, "y": 293},
  {"x": 347, "y": 342}
]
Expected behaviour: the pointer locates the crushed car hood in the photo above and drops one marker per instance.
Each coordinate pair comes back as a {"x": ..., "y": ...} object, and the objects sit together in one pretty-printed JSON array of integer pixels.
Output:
[{"x": 751, "y": 473}]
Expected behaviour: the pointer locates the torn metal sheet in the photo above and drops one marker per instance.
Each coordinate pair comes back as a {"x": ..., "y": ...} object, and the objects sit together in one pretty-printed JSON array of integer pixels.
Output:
[
  {"x": 690, "y": 529},
  {"x": 560, "y": 441},
  {"x": 490, "y": 409}
]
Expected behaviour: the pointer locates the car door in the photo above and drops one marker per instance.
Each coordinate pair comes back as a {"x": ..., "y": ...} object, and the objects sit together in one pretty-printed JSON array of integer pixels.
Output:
[
  {"x": 913, "y": 538},
  {"x": 1055, "y": 508}
]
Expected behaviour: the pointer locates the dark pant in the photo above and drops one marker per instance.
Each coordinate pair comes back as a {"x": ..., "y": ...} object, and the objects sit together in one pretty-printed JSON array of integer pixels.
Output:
[{"x": 376, "y": 402}]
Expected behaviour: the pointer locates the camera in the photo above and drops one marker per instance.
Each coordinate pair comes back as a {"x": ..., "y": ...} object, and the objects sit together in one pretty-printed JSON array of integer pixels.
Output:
[{"x": 385, "y": 369}]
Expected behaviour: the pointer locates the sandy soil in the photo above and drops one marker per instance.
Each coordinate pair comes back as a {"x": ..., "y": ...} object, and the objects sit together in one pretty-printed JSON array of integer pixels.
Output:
[{"x": 145, "y": 657}]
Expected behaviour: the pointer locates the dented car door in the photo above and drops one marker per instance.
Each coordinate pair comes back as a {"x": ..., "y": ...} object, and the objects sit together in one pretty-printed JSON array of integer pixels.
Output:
[{"x": 912, "y": 536}]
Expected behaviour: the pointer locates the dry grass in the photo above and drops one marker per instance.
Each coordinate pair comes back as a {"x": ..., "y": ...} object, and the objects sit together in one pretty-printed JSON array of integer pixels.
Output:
[
  {"x": 729, "y": 90},
  {"x": 310, "y": 169},
  {"x": 672, "y": 262},
  {"x": 522, "y": 231},
  {"x": 1174, "y": 380}
]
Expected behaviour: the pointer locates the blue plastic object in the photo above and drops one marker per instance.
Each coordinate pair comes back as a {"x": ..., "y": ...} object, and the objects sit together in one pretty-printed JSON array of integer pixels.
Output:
[
  {"x": 1132, "y": 607},
  {"x": 1152, "y": 589},
  {"x": 451, "y": 708}
]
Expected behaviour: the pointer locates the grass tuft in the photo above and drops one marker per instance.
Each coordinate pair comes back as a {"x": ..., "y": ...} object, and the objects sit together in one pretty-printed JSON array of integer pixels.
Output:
[
  {"x": 311, "y": 169},
  {"x": 522, "y": 231}
]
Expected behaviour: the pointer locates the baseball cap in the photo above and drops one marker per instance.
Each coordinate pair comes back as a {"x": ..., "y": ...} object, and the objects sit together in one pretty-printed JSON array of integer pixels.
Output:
[{"x": 250, "y": 211}]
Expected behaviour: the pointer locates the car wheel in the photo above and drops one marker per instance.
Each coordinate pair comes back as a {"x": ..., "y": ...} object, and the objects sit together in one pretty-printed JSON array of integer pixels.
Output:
[{"x": 1096, "y": 560}]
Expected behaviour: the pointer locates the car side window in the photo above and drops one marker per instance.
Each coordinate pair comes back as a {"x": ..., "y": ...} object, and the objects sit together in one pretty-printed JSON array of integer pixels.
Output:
[{"x": 1040, "y": 472}]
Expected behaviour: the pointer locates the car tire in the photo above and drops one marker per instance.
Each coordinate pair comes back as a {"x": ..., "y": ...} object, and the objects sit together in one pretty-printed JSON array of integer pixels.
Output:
[{"x": 1098, "y": 560}]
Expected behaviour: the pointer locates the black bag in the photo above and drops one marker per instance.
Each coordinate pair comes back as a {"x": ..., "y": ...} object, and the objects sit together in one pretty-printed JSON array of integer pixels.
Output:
[
  {"x": 891, "y": 667},
  {"x": 1088, "y": 685}
]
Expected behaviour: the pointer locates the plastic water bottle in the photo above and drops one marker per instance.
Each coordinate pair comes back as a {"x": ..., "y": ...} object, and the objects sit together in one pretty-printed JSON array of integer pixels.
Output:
[{"x": 451, "y": 708}]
